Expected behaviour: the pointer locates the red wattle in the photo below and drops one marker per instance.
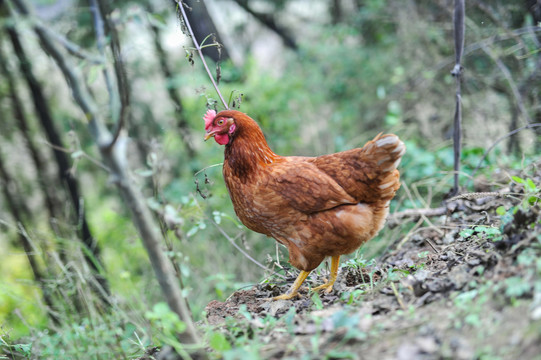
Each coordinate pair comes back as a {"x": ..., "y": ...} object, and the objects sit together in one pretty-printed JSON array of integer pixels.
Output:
[{"x": 222, "y": 139}]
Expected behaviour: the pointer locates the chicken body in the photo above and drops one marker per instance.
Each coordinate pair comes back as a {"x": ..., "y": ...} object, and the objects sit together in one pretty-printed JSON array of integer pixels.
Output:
[{"x": 315, "y": 206}]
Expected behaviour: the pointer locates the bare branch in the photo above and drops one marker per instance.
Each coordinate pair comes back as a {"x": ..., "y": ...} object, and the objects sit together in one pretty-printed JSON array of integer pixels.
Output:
[
  {"x": 509, "y": 77},
  {"x": 120, "y": 71},
  {"x": 19, "y": 210},
  {"x": 184, "y": 18},
  {"x": 248, "y": 256},
  {"x": 269, "y": 22},
  {"x": 182, "y": 124},
  {"x": 459, "y": 29},
  {"x": 509, "y": 134},
  {"x": 71, "y": 47},
  {"x": 51, "y": 201},
  {"x": 100, "y": 42},
  {"x": 114, "y": 154},
  {"x": 471, "y": 48},
  {"x": 46, "y": 119}
]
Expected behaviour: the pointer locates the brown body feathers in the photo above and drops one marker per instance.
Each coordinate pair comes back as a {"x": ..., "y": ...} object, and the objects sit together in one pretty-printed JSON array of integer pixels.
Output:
[{"x": 316, "y": 206}]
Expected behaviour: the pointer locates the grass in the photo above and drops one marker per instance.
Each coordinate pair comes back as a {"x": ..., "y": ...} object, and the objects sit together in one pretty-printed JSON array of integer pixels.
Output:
[{"x": 129, "y": 328}]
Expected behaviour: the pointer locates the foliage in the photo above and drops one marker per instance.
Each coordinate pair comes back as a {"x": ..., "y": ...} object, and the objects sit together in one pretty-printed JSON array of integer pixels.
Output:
[{"x": 383, "y": 66}]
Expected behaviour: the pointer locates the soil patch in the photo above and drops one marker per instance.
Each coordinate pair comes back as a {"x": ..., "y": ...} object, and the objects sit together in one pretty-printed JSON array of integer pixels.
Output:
[{"x": 468, "y": 287}]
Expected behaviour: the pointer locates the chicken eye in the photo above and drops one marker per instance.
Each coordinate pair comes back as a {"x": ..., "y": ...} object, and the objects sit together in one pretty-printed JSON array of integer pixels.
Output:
[{"x": 220, "y": 122}]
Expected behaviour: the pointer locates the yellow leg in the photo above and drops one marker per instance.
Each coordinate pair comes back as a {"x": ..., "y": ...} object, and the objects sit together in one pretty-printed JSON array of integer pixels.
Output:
[
  {"x": 334, "y": 272},
  {"x": 294, "y": 290}
]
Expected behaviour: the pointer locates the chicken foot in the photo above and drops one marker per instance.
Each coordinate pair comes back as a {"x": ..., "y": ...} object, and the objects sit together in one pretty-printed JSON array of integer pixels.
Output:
[
  {"x": 294, "y": 290},
  {"x": 335, "y": 260}
]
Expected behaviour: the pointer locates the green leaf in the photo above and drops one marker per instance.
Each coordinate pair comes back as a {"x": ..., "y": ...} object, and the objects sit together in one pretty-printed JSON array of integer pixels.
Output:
[
  {"x": 77, "y": 154},
  {"x": 157, "y": 20},
  {"x": 516, "y": 286},
  {"x": 192, "y": 231},
  {"x": 317, "y": 301},
  {"x": 501, "y": 210},
  {"x": 397, "y": 274},
  {"x": 473, "y": 320},
  {"x": 466, "y": 233},
  {"x": 517, "y": 179},
  {"x": 530, "y": 185},
  {"x": 93, "y": 73},
  {"x": 144, "y": 172},
  {"x": 219, "y": 342},
  {"x": 490, "y": 231},
  {"x": 217, "y": 217},
  {"x": 336, "y": 354},
  {"x": 25, "y": 349},
  {"x": 464, "y": 299}
]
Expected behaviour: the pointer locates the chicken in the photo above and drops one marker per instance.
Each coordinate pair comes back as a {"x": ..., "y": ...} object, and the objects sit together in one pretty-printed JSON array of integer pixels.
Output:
[{"x": 315, "y": 206}]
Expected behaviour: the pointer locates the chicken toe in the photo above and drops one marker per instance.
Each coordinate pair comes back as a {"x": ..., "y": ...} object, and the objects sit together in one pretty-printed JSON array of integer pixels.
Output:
[
  {"x": 294, "y": 290},
  {"x": 334, "y": 273}
]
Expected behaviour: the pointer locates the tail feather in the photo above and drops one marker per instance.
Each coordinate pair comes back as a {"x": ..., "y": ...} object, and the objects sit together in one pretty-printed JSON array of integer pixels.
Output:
[
  {"x": 386, "y": 152},
  {"x": 368, "y": 174}
]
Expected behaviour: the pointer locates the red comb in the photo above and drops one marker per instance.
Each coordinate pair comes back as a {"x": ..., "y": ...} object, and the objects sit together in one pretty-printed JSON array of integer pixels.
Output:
[{"x": 209, "y": 117}]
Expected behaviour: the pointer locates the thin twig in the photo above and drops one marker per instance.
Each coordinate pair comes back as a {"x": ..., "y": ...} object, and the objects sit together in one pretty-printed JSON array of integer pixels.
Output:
[
  {"x": 80, "y": 93},
  {"x": 421, "y": 214},
  {"x": 120, "y": 71},
  {"x": 242, "y": 250},
  {"x": 459, "y": 29},
  {"x": 180, "y": 8},
  {"x": 415, "y": 213},
  {"x": 432, "y": 245},
  {"x": 509, "y": 134},
  {"x": 182, "y": 124},
  {"x": 72, "y": 48},
  {"x": 398, "y": 296},
  {"x": 100, "y": 43},
  {"x": 527, "y": 30},
  {"x": 509, "y": 77},
  {"x": 83, "y": 154},
  {"x": 477, "y": 195},
  {"x": 269, "y": 21},
  {"x": 205, "y": 168}
]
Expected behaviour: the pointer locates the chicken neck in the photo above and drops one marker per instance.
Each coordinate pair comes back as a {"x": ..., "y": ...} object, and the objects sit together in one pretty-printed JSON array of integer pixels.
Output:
[{"x": 248, "y": 150}]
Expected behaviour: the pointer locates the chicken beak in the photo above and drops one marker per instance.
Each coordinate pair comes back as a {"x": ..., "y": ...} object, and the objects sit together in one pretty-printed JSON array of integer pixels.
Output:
[{"x": 209, "y": 135}]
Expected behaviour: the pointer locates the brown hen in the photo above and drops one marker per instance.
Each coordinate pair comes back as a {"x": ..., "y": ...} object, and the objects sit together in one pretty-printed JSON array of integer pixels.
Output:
[{"x": 315, "y": 206}]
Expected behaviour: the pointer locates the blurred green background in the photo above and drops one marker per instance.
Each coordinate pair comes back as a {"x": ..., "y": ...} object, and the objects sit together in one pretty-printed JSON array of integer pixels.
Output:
[{"x": 319, "y": 77}]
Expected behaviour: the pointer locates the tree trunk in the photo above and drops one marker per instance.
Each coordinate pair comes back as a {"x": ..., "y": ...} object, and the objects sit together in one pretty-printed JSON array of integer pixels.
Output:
[
  {"x": 66, "y": 178},
  {"x": 52, "y": 203},
  {"x": 182, "y": 124},
  {"x": 20, "y": 211},
  {"x": 203, "y": 26},
  {"x": 270, "y": 22}
]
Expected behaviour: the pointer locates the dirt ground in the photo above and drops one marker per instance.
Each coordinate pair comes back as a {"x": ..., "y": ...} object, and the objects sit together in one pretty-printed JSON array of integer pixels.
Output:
[{"x": 467, "y": 287}]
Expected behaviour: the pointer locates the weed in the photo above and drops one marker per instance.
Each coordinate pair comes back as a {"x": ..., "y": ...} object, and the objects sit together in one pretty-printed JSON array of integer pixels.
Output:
[
  {"x": 218, "y": 341},
  {"x": 359, "y": 263},
  {"x": 24, "y": 350},
  {"x": 531, "y": 192},
  {"x": 397, "y": 274},
  {"x": 516, "y": 287},
  {"x": 482, "y": 232},
  {"x": 350, "y": 297},
  {"x": 168, "y": 325},
  {"x": 317, "y": 301}
]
